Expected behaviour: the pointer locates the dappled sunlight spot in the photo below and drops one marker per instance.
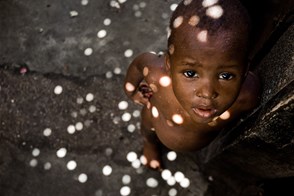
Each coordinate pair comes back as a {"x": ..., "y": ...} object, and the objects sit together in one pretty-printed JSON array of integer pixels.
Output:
[
  {"x": 88, "y": 51},
  {"x": 36, "y": 152},
  {"x": 173, "y": 6},
  {"x": 155, "y": 112},
  {"x": 33, "y": 162},
  {"x": 178, "y": 119},
  {"x": 79, "y": 126},
  {"x": 202, "y": 36},
  {"x": 152, "y": 182},
  {"x": 179, "y": 176},
  {"x": 171, "y": 156},
  {"x": 185, "y": 183},
  {"x": 58, "y": 90},
  {"x": 207, "y": 3},
  {"x": 215, "y": 11},
  {"x": 107, "y": 170},
  {"x": 102, "y": 33},
  {"x": 169, "y": 123},
  {"x": 125, "y": 190},
  {"x": 172, "y": 192},
  {"x": 152, "y": 129},
  {"x": 83, "y": 178},
  {"x": 126, "y": 179},
  {"x": 145, "y": 71},
  {"x": 194, "y": 20},
  {"x": 47, "y": 166},
  {"x": 178, "y": 21},
  {"x": 47, "y": 132},
  {"x": 136, "y": 164},
  {"x": 143, "y": 160},
  {"x": 71, "y": 165},
  {"x": 171, "y": 181},
  {"x": 165, "y": 81},
  {"x": 166, "y": 174},
  {"x": 153, "y": 87},
  {"x": 187, "y": 2},
  {"x": 61, "y": 152},
  {"x": 171, "y": 49},
  {"x": 123, "y": 105},
  {"x": 168, "y": 32},
  {"x": 154, "y": 164},
  {"x": 132, "y": 156},
  {"x": 89, "y": 97},
  {"x": 129, "y": 87},
  {"x": 212, "y": 123},
  {"x": 126, "y": 117},
  {"x": 226, "y": 115}
]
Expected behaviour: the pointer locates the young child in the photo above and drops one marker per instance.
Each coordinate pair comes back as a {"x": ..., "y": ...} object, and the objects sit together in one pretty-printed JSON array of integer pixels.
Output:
[{"x": 191, "y": 93}]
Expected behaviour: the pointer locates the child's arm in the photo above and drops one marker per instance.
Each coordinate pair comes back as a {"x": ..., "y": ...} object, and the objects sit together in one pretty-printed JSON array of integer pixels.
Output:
[{"x": 135, "y": 86}]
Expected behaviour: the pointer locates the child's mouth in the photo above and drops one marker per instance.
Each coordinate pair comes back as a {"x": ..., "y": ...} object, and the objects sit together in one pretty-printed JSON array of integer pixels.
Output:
[{"x": 204, "y": 112}]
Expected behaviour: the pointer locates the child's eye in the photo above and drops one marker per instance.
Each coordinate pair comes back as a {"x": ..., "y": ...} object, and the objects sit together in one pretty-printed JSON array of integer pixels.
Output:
[
  {"x": 190, "y": 74},
  {"x": 226, "y": 76}
]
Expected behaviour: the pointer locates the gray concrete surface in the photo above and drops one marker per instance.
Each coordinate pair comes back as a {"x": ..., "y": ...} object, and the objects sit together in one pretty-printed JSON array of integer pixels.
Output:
[{"x": 50, "y": 40}]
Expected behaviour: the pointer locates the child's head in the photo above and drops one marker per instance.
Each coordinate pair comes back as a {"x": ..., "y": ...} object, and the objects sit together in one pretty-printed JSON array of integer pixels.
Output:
[{"x": 207, "y": 55}]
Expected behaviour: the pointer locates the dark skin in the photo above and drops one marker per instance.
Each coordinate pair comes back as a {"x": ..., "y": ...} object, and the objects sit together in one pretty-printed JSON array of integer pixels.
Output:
[{"x": 190, "y": 94}]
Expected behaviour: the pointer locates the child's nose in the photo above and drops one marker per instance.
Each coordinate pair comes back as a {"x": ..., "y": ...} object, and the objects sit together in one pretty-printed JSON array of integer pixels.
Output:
[{"x": 206, "y": 89}]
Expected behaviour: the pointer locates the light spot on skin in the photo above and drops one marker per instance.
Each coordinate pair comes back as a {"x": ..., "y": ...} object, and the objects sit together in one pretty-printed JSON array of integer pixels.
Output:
[
  {"x": 155, "y": 112},
  {"x": 187, "y": 2},
  {"x": 165, "y": 81},
  {"x": 178, "y": 21},
  {"x": 215, "y": 12},
  {"x": 194, "y": 20},
  {"x": 171, "y": 49},
  {"x": 207, "y": 3},
  {"x": 168, "y": 32},
  {"x": 145, "y": 71},
  {"x": 226, "y": 115},
  {"x": 212, "y": 123},
  {"x": 143, "y": 160},
  {"x": 153, "y": 87},
  {"x": 178, "y": 119},
  {"x": 152, "y": 129},
  {"x": 154, "y": 164},
  {"x": 202, "y": 36},
  {"x": 129, "y": 87},
  {"x": 169, "y": 123}
]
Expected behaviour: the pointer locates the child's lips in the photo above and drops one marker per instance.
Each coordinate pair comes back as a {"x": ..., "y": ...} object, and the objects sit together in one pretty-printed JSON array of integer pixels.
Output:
[{"x": 205, "y": 112}]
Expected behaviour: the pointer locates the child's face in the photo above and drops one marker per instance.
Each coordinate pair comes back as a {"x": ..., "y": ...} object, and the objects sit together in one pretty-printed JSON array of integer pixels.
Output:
[{"x": 206, "y": 76}]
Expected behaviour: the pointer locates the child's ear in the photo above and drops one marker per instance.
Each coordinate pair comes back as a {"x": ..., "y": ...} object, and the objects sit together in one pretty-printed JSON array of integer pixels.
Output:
[{"x": 167, "y": 63}]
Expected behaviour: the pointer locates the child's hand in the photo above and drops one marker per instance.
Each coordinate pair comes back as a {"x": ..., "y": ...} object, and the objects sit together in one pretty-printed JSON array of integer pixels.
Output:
[{"x": 143, "y": 94}]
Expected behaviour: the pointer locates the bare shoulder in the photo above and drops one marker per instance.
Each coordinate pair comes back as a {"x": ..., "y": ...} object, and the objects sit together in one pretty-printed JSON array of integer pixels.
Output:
[{"x": 146, "y": 59}]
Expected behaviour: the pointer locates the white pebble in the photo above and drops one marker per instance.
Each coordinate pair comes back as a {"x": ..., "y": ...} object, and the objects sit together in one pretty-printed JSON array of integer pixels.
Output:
[
  {"x": 132, "y": 156},
  {"x": 128, "y": 53},
  {"x": 88, "y": 51},
  {"x": 126, "y": 117},
  {"x": 61, "y": 152},
  {"x": 71, "y": 165},
  {"x": 102, "y": 33},
  {"x": 126, "y": 179},
  {"x": 71, "y": 129},
  {"x": 171, "y": 155},
  {"x": 107, "y": 170},
  {"x": 107, "y": 21},
  {"x": 79, "y": 126},
  {"x": 125, "y": 190},
  {"x": 47, "y": 132},
  {"x": 36, "y": 152},
  {"x": 123, "y": 105},
  {"x": 89, "y": 97},
  {"x": 152, "y": 182},
  {"x": 58, "y": 90},
  {"x": 131, "y": 128},
  {"x": 83, "y": 178}
]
